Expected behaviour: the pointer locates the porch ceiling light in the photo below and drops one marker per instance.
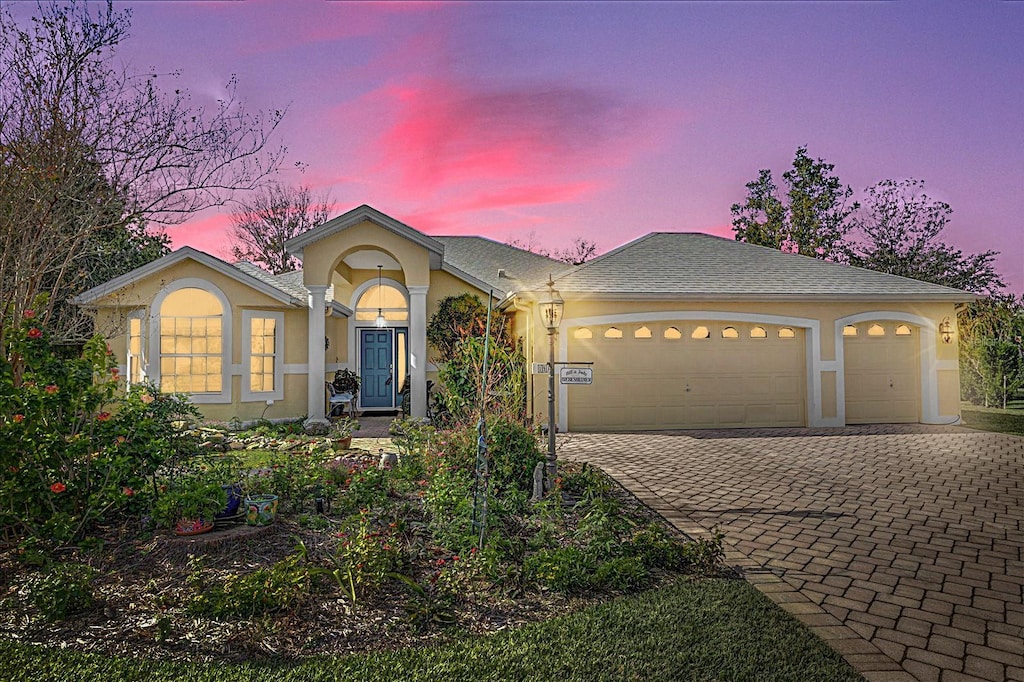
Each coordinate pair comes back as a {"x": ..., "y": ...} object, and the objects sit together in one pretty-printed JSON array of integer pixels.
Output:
[
  {"x": 551, "y": 308},
  {"x": 380, "y": 321},
  {"x": 946, "y": 330}
]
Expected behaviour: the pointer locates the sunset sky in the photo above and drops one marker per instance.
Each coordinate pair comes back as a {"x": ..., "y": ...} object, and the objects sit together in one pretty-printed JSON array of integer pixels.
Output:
[{"x": 610, "y": 120}]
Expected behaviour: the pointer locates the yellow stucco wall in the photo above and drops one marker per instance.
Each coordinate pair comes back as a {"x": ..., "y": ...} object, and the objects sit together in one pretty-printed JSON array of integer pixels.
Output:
[
  {"x": 825, "y": 313},
  {"x": 321, "y": 259},
  {"x": 323, "y": 264}
]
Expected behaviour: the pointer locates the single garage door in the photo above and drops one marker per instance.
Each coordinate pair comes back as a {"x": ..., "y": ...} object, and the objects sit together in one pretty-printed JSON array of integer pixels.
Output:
[
  {"x": 679, "y": 375},
  {"x": 883, "y": 373}
]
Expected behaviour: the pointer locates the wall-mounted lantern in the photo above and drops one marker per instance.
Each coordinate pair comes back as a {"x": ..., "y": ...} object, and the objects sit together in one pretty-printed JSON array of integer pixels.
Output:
[{"x": 946, "y": 330}]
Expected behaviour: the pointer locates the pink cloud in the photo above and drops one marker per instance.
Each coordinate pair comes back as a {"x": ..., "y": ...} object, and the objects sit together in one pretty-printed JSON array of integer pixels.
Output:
[
  {"x": 209, "y": 233},
  {"x": 445, "y": 134}
]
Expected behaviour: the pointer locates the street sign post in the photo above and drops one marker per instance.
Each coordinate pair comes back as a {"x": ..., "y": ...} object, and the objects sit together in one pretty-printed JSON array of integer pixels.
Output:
[{"x": 575, "y": 375}]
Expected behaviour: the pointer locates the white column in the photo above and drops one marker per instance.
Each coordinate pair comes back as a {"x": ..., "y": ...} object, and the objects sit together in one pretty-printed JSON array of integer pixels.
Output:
[
  {"x": 315, "y": 359},
  {"x": 418, "y": 350}
]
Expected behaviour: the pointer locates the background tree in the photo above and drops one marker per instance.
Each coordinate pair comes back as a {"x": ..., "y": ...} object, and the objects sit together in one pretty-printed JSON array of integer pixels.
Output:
[
  {"x": 90, "y": 154},
  {"x": 273, "y": 215},
  {"x": 813, "y": 220},
  {"x": 992, "y": 349},
  {"x": 581, "y": 250},
  {"x": 462, "y": 317},
  {"x": 898, "y": 230}
]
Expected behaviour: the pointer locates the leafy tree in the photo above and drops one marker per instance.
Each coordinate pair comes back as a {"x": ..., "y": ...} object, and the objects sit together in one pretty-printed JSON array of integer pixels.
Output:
[
  {"x": 90, "y": 151},
  {"x": 275, "y": 214},
  {"x": 900, "y": 226},
  {"x": 992, "y": 349},
  {"x": 462, "y": 317},
  {"x": 812, "y": 219}
]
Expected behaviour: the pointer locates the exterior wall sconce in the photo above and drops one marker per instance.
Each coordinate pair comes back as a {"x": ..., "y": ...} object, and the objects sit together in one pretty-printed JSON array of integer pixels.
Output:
[
  {"x": 380, "y": 322},
  {"x": 946, "y": 330}
]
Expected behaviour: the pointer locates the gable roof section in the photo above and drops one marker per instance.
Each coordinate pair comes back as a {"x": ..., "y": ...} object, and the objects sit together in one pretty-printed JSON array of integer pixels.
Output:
[
  {"x": 245, "y": 273},
  {"x": 295, "y": 245},
  {"x": 703, "y": 266},
  {"x": 477, "y": 260}
]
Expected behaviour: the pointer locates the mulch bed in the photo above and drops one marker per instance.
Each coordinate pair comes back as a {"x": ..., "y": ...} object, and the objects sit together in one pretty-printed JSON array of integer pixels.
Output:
[{"x": 143, "y": 583}]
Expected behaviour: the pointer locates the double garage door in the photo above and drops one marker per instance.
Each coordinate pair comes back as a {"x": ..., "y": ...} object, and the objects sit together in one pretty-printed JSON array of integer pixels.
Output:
[{"x": 695, "y": 374}]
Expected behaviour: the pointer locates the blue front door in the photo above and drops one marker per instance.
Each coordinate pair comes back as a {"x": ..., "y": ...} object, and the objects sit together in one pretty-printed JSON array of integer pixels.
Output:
[{"x": 376, "y": 363}]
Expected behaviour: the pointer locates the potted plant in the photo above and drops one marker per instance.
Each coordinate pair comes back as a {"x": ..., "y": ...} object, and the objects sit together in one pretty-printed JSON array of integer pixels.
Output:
[
  {"x": 190, "y": 507},
  {"x": 346, "y": 381},
  {"x": 258, "y": 504},
  {"x": 341, "y": 432}
]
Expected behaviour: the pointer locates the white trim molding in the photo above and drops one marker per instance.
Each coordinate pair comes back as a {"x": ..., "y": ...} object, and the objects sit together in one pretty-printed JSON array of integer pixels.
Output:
[
  {"x": 929, "y": 365},
  {"x": 812, "y": 355},
  {"x": 153, "y": 366},
  {"x": 249, "y": 396}
]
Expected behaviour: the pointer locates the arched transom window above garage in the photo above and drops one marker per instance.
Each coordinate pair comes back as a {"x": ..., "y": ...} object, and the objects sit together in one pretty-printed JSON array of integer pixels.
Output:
[{"x": 384, "y": 297}]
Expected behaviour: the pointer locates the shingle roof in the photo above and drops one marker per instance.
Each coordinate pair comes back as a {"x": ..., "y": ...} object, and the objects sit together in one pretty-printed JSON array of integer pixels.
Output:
[
  {"x": 481, "y": 258},
  {"x": 286, "y": 283},
  {"x": 704, "y": 266}
]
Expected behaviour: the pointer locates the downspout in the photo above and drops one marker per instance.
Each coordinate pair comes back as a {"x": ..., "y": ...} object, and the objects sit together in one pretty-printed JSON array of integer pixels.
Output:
[{"x": 530, "y": 350}]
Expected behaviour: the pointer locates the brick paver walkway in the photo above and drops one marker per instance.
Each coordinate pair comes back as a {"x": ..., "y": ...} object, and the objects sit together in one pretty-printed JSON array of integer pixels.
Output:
[{"x": 900, "y": 546}]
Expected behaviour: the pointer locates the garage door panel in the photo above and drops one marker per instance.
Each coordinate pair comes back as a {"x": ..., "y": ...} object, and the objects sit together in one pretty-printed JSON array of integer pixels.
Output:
[
  {"x": 882, "y": 377},
  {"x": 660, "y": 383}
]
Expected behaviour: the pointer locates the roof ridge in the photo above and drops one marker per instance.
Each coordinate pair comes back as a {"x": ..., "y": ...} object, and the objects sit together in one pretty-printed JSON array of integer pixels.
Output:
[
  {"x": 495, "y": 241},
  {"x": 604, "y": 256}
]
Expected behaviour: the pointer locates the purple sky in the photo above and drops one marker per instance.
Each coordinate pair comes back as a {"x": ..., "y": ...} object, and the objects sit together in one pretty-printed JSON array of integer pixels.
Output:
[{"x": 610, "y": 120}]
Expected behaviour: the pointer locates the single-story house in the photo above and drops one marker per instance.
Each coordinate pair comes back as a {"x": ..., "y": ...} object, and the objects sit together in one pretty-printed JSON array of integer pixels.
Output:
[{"x": 684, "y": 330}]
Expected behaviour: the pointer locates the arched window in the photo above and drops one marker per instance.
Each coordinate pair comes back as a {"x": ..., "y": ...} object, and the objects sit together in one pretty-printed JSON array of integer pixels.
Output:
[
  {"x": 583, "y": 333},
  {"x": 191, "y": 342},
  {"x": 642, "y": 333},
  {"x": 701, "y": 332},
  {"x": 787, "y": 333},
  {"x": 849, "y": 330},
  {"x": 613, "y": 333},
  {"x": 876, "y": 330},
  {"x": 757, "y": 332},
  {"x": 673, "y": 333},
  {"x": 903, "y": 330},
  {"x": 730, "y": 333},
  {"x": 386, "y": 298}
]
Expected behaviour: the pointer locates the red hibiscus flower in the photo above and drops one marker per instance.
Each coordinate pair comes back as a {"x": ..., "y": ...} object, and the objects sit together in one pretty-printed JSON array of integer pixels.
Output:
[
  {"x": 29, "y": 314},
  {"x": 18, "y": 418},
  {"x": 51, "y": 389},
  {"x": 103, "y": 416},
  {"x": 127, "y": 491},
  {"x": 58, "y": 488},
  {"x": 34, "y": 333}
]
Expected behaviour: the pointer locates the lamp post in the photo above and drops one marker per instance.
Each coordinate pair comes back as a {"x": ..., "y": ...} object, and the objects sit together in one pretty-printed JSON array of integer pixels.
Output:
[{"x": 551, "y": 314}]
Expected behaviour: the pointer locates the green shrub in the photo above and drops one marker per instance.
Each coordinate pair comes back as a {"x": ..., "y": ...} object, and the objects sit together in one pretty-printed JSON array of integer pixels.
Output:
[
  {"x": 282, "y": 587},
  {"x": 565, "y": 569},
  {"x": 655, "y": 548},
  {"x": 626, "y": 574},
  {"x": 63, "y": 590},
  {"x": 366, "y": 553},
  {"x": 73, "y": 451}
]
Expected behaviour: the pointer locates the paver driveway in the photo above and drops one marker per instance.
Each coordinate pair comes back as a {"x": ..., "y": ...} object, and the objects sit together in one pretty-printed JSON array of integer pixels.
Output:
[{"x": 901, "y": 546}]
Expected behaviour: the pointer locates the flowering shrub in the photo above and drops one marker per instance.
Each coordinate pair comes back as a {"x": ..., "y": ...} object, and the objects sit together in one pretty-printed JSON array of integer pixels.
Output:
[
  {"x": 365, "y": 555},
  {"x": 72, "y": 450}
]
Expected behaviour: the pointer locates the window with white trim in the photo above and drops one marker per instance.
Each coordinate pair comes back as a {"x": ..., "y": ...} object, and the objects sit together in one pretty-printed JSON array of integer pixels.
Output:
[
  {"x": 263, "y": 364},
  {"x": 135, "y": 358},
  {"x": 191, "y": 338}
]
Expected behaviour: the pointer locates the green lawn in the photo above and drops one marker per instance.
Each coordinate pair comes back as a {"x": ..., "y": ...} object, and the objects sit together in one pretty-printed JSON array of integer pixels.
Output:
[
  {"x": 993, "y": 419},
  {"x": 707, "y": 630}
]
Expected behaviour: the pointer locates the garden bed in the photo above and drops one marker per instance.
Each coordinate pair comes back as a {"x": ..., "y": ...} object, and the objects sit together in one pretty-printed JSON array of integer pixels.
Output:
[{"x": 298, "y": 588}]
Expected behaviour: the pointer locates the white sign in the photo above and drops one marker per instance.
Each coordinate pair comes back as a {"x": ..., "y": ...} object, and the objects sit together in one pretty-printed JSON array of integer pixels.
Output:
[
  {"x": 540, "y": 368},
  {"x": 576, "y": 375}
]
